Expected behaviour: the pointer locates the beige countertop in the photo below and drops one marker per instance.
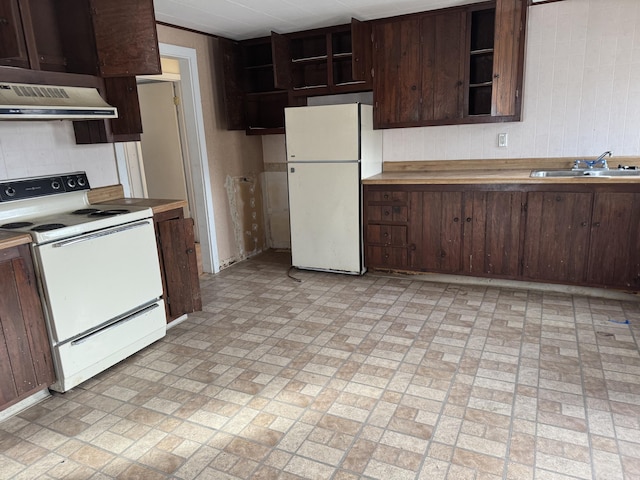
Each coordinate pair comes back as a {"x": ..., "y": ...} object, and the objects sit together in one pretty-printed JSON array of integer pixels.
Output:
[
  {"x": 488, "y": 171},
  {"x": 10, "y": 239}
]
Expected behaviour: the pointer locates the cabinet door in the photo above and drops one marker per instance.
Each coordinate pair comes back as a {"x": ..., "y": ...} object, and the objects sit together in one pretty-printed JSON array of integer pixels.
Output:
[
  {"x": 361, "y": 47},
  {"x": 492, "y": 233},
  {"x": 25, "y": 355},
  {"x": 508, "y": 57},
  {"x": 13, "y": 48},
  {"x": 614, "y": 252},
  {"x": 233, "y": 74},
  {"x": 179, "y": 266},
  {"x": 440, "y": 246},
  {"x": 443, "y": 38},
  {"x": 397, "y": 79},
  {"x": 557, "y": 236},
  {"x": 126, "y": 37},
  {"x": 281, "y": 54}
]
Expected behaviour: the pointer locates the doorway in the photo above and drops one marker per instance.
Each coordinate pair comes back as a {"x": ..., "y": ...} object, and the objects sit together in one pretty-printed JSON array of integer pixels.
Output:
[{"x": 195, "y": 167}]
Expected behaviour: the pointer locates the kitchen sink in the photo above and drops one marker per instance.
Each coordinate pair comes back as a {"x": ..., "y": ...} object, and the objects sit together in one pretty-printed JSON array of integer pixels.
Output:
[{"x": 596, "y": 172}]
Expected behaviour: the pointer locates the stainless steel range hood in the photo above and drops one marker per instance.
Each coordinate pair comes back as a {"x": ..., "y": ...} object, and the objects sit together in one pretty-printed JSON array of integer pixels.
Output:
[{"x": 21, "y": 101}]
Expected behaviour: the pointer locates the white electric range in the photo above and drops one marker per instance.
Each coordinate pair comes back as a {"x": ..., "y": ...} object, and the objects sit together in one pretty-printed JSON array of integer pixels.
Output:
[{"x": 98, "y": 272}]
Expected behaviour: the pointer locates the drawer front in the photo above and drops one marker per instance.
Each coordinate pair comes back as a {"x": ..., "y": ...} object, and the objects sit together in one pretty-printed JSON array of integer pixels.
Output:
[
  {"x": 387, "y": 257},
  {"x": 388, "y": 196},
  {"x": 387, "y": 234},
  {"x": 387, "y": 213}
]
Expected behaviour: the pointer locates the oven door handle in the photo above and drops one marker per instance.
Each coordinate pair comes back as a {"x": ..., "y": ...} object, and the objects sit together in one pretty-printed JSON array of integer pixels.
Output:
[
  {"x": 115, "y": 324},
  {"x": 104, "y": 233}
]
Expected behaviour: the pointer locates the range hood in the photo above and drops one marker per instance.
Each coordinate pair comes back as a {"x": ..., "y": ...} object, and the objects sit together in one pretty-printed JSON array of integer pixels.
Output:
[{"x": 21, "y": 101}]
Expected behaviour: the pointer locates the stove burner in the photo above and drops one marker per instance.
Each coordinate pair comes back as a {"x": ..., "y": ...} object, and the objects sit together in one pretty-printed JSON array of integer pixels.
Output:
[
  {"x": 47, "y": 226},
  {"x": 109, "y": 213},
  {"x": 13, "y": 225},
  {"x": 85, "y": 211}
]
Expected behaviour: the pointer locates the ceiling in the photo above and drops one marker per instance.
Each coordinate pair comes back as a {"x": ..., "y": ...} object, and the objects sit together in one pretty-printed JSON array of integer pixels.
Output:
[{"x": 242, "y": 19}]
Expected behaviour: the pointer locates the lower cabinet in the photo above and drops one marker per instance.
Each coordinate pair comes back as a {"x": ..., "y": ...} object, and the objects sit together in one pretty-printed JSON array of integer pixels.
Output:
[
  {"x": 25, "y": 355},
  {"x": 178, "y": 263},
  {"x": 582, "y": 235}
]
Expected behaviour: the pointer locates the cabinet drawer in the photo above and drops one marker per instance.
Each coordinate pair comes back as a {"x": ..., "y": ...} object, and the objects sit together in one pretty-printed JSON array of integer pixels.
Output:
[
  {"x": 387, "y": 234},
  {"x": 388, "y": 196},
  {"x": 387, "y": 257},
  {"x": 387, "y": 213}
]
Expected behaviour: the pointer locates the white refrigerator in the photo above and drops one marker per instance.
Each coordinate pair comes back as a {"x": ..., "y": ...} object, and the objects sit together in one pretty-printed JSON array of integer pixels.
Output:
[{"x": 330, "y": 149}]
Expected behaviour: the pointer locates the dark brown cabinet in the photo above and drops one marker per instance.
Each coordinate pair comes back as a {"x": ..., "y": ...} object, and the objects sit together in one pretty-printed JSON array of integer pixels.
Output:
[
  {"x": 178, "y": 263},
  {"x": 25, "y": 355},
  {"x": 557, "y": 236},
  {"x": 252, "y": 102},
  {"x": 451, "y": 66},
  {"x": 386, "y": 234},
  {"x": 582, "y": 235},
  {"x": 80, "y": 43},
  {"x": 262, "y": 76},
  {"x": 418, "y": 69}
]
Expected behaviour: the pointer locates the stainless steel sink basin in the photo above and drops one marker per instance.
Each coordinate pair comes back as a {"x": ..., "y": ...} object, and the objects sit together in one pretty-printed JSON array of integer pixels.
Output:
[{"x": 586, "y": 173}]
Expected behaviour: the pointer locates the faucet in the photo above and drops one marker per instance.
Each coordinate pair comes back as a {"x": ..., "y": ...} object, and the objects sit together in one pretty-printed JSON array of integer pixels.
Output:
[{"x": 601, "y": 160}]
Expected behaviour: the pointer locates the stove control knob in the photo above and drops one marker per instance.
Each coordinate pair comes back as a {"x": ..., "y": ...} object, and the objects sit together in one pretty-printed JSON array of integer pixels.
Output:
[
  {"x": 55, "y": 185},
  {"x": 81, "y": 181},
  {"x": 10, "y": 191},
  {"x": 71, "y": 182}
]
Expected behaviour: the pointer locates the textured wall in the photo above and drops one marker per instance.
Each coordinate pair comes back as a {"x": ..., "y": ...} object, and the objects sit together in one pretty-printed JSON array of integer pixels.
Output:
[
  {"x": 581, "y": 92},
  {"x": 48, "y": 147},
  {"x": 231, "y": 153}
]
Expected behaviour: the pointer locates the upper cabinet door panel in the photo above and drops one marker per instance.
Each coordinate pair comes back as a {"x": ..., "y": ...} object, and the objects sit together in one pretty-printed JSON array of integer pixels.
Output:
[
  {"x": 443, "y": 38},
  {"x": 281, "y": 53},
  {"x": 126, "y": 37},
  {"x": 13, "y": 49},
  {"x": 361, "y": 47},
  {"x": 397, "y": 88},
  {"x": 508, "y": 54}
]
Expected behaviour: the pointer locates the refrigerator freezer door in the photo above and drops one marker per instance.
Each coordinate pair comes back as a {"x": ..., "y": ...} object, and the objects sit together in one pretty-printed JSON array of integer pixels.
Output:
[
  {"x": 323, "y": 133},
  {"x": 325, "y": 216}
]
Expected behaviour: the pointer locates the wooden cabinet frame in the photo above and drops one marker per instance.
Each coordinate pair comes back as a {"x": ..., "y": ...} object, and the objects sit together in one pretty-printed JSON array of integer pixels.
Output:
[{"x": 586, "y": 234}]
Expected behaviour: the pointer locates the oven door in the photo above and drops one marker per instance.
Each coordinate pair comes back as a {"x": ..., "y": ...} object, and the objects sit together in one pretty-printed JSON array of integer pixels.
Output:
[{"x": 94, "y": 278}]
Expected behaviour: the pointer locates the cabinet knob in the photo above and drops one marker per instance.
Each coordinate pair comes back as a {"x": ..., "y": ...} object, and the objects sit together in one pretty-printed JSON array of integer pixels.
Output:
[
  {"x": 386, "y": 255},
  {"x": 386, "y": 234},
  {"x": 386, "y": 196},
  {"x": 413, "y": 87},
  {"x": 4, "y": 21},
  {"x": 456, "y": 219},
  {"x": 190, "y": 251},
  {"x": 597, "y": 224},
  {"x": 497, "y": 75},
  {"x": 468, "y": 219},
  {"x": 583, "y": 224},
  {"x": 387, "y": 212}
]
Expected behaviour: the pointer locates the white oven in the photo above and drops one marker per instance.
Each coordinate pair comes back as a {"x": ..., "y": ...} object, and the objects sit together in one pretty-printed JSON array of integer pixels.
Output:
[{"x": 98, "y": 271}]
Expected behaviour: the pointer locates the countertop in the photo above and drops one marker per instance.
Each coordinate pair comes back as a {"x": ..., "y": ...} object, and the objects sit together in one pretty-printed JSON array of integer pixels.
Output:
[
  {"x": 488, "y": 172},
  {"x": 9, "y": 239},
  {"x": 114, "y": 195}
]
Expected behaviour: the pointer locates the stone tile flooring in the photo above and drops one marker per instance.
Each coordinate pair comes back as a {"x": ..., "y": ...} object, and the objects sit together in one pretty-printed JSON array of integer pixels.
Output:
[{"x": 339, "y": 377}]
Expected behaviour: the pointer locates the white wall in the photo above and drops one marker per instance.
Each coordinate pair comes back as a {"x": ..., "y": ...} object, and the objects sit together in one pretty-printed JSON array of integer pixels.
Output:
[
  {"x": 32, "y": 148},
  {"x": 581, "y": 92}
]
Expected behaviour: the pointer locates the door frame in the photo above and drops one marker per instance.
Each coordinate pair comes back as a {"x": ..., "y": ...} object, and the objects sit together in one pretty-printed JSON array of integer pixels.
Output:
[{"x": 198, "y": 161}]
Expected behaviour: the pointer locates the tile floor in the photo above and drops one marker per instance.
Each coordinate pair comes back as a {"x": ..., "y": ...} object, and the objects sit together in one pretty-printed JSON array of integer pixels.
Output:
[{"x": 343, "y": 378}]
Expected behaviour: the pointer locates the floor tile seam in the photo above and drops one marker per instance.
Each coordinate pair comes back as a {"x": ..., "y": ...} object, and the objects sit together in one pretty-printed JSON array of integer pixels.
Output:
[
  {"x": 515, "y": 397},
  {"x": 582, "y": 386},
  {"x": 441, "y": 412}
]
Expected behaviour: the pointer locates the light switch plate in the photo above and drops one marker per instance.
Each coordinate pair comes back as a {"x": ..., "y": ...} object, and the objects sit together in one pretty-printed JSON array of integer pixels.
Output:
[{"x": 502, "y": 139}]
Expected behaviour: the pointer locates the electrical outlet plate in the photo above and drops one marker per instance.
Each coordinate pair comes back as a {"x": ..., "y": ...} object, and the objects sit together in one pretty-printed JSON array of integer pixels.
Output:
[{"x": 502, "y": 139}]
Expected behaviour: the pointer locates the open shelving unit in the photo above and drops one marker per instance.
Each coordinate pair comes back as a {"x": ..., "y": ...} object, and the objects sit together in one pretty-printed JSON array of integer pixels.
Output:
[{"x": 482, "y": 28}]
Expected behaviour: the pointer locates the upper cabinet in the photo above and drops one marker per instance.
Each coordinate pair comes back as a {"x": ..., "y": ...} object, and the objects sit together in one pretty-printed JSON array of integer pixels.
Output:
[
  {"x": 262, "y": 76},
  {"x": 95, "y": 37},
  {"x": 451, "y": 66}
]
